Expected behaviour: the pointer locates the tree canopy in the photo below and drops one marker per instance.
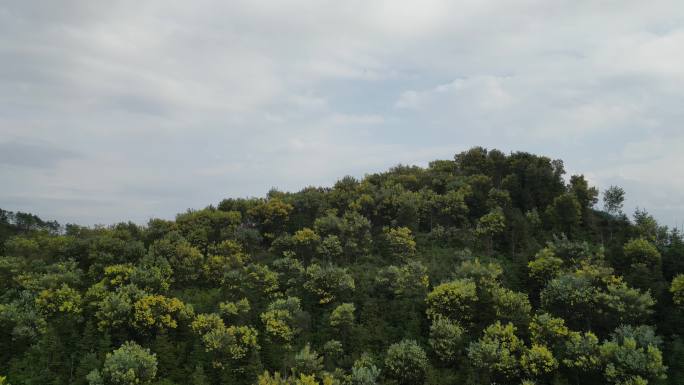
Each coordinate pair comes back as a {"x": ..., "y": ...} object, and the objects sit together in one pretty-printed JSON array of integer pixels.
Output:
[{"x": 485, "y": 268}]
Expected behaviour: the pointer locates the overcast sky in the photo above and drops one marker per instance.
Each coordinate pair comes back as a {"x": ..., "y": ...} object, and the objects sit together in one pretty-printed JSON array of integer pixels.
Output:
[{"x": 123, "y": 110}]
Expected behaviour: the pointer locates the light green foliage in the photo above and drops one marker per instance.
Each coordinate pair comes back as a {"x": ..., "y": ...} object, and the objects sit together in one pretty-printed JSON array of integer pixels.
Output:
[
  {"x": 118, "y": 275},
  {"x": 290, "y": 273},
  {"x": 545, "y": 266},
  {"x": 491, "y": 223},
  {"x": 232, "y": 342},
  {"x": 632, "y": 353},
  {"x": 364, "y": 372},
  {"x": 236, "y": 309},
  {"x": 267, "y": 379},
  {"x": 497, "y": 265},
  {"x": 272, "y": 215},
  {"x": 406, "y": 362},
  {"x": 328, "y": 282},
  {"x": 259, "y": 279},
  {"x": 582, "y": 351},
  {"x": 153, "y": 273},
  {"x": 485, "y": 275},
  {"x": 408, "y": 280},
  {"x": 498, "y": 351},
  {"x": 208, "y": 226},
  {"x": 546, "y": 329},
  {"x": 330, "y": 248},
  {"x": 538, "y": 360},
  {"x": 677, "y": 289},
  {"x": 577, "y": 296},
  {"x": 446, "y": 339},
  {"x": 627, "y": 304},
  {"x": 128, "y": 365},
  {"x": 280, "y": 319},
  {"x": 222, "y": 258},
  {"x": 64, "y": 300},
  {"x": 641, "y": 251},
  {"x": 333, "y": 348},
  {"x": 115, "y": 310},
  {"x": 303, "y": 379},
  {"x": 400, "y": 243},
  {"x": 306, "y": 242},
  {"x": 158, "y": 312},
  {"x": 454, "y": 300},
  {"x": 511, "y": 306},
  {"x": 307, "y": 361},
  {"x": 343, "y": 316},
  {"x": 353, "y": 231}
]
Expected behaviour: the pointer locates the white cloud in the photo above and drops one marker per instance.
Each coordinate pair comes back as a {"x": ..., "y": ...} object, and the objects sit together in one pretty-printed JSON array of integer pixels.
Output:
[{"x": 172, "y": 104}]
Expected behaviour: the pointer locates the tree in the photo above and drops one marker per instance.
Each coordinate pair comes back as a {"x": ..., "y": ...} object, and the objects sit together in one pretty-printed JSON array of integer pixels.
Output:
[
  {"x": 307, "y": 362},
  {"x": 613, "y": 199},
  {"x": 538, "y": 361},
  {"x": 565, "y": 214},
  {"x": 491, "y": 224},
  {"x": 406, "y": 363},
  {"x": 582, "y": 352},
  {"x": 130, "y": 364},
  {"x": 632, "y": 353},
  {"x": 641, "y": 250},
  {"x": 271, "y": 216},
  {"x": 156, "y": 312},
  {"x": 454, "y": 300},
  {"x": 410, "y": 280},
  {"x": 327, "y": 282},
  {"x": 497, "y": 353},
  {"x": 342, "y": 316},
  {"x": 586, "y": 196},
  {"x": 64, "y": 300},
  {"x": 446, "y": 339},
  {"x": 226, "y": 343},
  {"x": 677, "y": 289},
  {"x": 280, "y": 320},
  {"x": 400, "y": 243},
  {"x": 306, "y": 242}
]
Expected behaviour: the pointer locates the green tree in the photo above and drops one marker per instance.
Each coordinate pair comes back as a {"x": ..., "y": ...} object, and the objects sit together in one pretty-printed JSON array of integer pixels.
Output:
[
  {"x": 613, "y": 200},
  {"x": 342, "y": 317},
  {"x": 406, "y": 362},
  {"x": 454, "y": 300},
  {"x": 446, "y": 339},
  {"x": 632, "y": 353},
  {"x": 400, "y": 243},
  {"x": 307, "y": 362},
  {"x": 677, "y": 289},
  {"x": 328, "y": 283},
  {"x": 498, "y": 352},
  {"x": 130, "y": 364}
]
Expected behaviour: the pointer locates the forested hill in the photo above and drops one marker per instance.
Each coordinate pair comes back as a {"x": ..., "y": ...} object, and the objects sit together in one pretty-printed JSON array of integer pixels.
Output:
[{"x": 489, "y": 268}]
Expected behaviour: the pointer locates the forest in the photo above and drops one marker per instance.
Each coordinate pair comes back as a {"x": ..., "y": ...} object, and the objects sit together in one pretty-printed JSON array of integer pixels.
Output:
[{"x": 489, "y": 268}]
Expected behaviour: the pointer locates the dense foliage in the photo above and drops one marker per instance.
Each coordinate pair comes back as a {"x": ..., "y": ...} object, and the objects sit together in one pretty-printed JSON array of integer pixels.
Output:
[{"x": 489, "y": 268}]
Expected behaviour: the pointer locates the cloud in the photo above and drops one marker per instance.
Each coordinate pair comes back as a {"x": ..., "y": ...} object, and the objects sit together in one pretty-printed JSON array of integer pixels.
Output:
[
  {"x": 36, "y": 155},
  {"x": 146, "y": 109}
]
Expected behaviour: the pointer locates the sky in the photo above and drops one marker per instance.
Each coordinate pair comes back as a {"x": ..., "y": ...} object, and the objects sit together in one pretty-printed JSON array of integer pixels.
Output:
[{"x": 129, "y": 110}]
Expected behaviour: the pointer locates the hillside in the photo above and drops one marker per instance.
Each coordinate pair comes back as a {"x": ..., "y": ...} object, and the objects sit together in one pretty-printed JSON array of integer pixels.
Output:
[{"x": 488, "y": 268}]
